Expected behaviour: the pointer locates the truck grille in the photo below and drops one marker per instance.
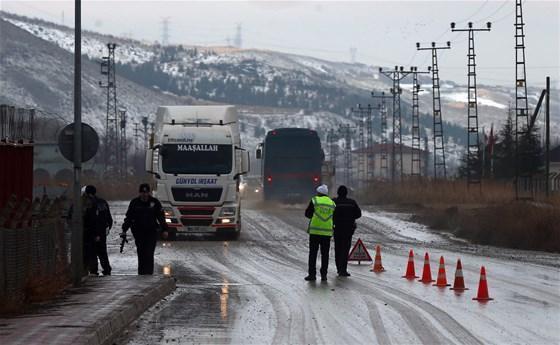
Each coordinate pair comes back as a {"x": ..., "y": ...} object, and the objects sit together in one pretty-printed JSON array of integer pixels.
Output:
[
  {"x": 196, "y": 194},
  {"x": 196, "y": 222},
  {"x": 196, "y": 211}
]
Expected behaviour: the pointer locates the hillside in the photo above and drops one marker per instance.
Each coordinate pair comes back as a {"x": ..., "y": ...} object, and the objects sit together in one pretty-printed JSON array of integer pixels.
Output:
[{"x": 261, "y": 82}]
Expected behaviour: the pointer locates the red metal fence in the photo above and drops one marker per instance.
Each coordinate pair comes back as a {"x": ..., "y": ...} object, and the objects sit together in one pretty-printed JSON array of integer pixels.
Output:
[{"x": 16, "y": 153}]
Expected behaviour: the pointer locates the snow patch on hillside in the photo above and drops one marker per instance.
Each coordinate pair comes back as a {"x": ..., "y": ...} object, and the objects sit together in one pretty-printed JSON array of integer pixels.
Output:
[{"x": 92, "y": 47}]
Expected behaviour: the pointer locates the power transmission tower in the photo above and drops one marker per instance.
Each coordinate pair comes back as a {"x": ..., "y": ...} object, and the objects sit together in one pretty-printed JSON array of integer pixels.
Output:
[
  {"x": 474, "y": 163},
  {"x": 347, "y": 131},
  {"x": 238, "y": 41},
  {"x": 365, "y": 134},
  {"x": 353, "y": 52},
  {"x": 383, "y": 166},
  {"x": 123, "y": 144},
  {"x": 112, "y": 142},
  {"x": 165, "y": 31},
  {"x": 416, "y": 159},
  {"x": 439, "y": 140},
  {"x": 521, "y": 103},
  {"x": 145, "y": 125},
  {"x": 333, "y": 148},
  {"x": 136, "y": 136},
  {"x": 396, "y": 162}
]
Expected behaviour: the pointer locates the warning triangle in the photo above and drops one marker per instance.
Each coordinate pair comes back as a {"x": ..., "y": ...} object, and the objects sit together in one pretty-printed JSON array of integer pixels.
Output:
[{"x": 359, "y": 252}]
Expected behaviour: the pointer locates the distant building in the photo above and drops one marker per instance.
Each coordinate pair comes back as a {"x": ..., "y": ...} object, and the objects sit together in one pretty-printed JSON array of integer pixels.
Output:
[{"x": 360, "y": 155}]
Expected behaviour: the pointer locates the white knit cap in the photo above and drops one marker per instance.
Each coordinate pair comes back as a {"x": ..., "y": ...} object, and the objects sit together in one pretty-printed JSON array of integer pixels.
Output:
[{"x": 323, "y": 189}]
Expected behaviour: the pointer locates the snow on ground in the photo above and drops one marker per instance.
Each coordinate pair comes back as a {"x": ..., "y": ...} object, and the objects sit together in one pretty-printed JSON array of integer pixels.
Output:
[
  {"x": 396, "y": 227},
  {"x": 462, "y": 97}
]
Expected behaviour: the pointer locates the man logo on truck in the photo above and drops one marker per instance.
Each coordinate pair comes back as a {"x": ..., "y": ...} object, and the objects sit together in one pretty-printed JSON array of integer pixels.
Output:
[{"x": 196, "y": 195}]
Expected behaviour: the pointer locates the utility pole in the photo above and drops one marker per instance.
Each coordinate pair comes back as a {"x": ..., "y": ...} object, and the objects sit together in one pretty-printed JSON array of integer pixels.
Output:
[
  {"x": 383, "y": 166},
  {"x": 547, "y": 137},
  {"x": 474, "y": 164},
  {"x": 397, "y": 163},
  {"x": 111, "y": 142},
  {"x": 77, "y": 222},
  {"x": 521, "y": 102},
  {"x": 331, "y": 142},
  {"x": 416, "y": 159},
  {"x": 439, "y": 140}
]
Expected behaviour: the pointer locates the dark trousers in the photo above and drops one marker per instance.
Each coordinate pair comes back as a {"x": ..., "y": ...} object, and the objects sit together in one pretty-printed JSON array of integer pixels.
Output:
[
  {"x": 341, "y": 249},
  {"x": 145, "y": 248},
  {"x": 316, "y": 241},
  {"x": 100, "y": 251}
]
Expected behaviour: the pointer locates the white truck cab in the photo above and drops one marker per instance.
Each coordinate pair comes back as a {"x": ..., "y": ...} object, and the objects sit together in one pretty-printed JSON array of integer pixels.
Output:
[{"x": 197, "y": 161}]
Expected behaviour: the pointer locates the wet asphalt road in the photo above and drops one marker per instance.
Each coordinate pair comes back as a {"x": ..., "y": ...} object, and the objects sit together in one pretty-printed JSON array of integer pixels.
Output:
[{"x": 251, "y": 291}]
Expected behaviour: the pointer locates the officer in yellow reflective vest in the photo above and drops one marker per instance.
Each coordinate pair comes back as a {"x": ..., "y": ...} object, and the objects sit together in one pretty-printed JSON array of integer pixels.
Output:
[{"x": 320, "y": 210}]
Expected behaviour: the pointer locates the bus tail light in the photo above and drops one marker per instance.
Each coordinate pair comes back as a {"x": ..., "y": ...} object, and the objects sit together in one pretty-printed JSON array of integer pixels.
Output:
[
  {"x": 269, "y": 179},
  {"x": 316, "y": 179}
]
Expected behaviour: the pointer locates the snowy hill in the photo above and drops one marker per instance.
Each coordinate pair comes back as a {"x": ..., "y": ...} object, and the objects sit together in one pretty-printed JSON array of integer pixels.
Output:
[{"x": 271, "y": 88}]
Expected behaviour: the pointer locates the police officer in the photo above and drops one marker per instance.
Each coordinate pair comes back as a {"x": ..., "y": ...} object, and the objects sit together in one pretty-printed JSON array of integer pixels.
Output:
[
  {"x": 320, "y": 210},
  {"x": 345, "y": 214},
  {"x": 144, "y": 216},
  {"x": 97, "y": 223}
]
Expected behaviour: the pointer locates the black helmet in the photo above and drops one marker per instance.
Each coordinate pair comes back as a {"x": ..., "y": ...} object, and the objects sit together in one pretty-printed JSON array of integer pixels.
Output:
[
  {"x": 90, "y": 190},
  {"x": 342, "y": 191}
]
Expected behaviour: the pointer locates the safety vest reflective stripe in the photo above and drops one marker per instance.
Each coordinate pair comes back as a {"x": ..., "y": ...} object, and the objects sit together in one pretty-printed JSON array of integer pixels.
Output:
[{"x": 321, "y": 222}]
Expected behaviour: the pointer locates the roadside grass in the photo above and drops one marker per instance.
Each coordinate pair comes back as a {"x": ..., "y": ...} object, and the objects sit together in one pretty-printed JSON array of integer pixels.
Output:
[{"x": 489, "y": 215}]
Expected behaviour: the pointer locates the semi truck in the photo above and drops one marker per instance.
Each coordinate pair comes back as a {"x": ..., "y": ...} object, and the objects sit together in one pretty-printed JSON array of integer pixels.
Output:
[{"x": 197, "y": 160}]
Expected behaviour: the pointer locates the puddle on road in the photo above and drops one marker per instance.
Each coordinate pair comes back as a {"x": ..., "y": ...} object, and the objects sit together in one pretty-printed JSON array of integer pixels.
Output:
[{"x": 202, "y": 314}]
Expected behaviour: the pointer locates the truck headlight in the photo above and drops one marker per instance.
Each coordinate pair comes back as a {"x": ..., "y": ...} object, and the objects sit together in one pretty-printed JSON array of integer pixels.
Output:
[
  {"x": 228, "y": 211},
  {"x": 168, "y": 212}
]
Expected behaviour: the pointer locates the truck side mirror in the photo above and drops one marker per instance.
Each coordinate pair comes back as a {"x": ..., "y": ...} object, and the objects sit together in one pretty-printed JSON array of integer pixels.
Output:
[
  {"x": 245, "y": 163},
  {"x": 149, "y": 161},
  {"x": 259, "y": 153}
]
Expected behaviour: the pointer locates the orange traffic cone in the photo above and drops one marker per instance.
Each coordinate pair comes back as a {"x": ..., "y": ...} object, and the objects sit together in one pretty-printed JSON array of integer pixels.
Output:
[
  {"x": 459, "y": 283},
  {"x": 377, "y": 266},
  {"x": 427, "y": 272},
  {"x": 482, "y": 294},
  {"x": 441, "y": 277},
  {"x": 410, "y": 272}
]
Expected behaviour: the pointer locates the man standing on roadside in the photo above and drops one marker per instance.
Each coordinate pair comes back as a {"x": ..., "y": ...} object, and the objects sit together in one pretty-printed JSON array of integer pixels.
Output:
[
  {"x": 145, "y": 217},
  {"x": 320, "y": 210},
  {"x": 345, "y": 214},
  {"x": 97, "y": 223}
]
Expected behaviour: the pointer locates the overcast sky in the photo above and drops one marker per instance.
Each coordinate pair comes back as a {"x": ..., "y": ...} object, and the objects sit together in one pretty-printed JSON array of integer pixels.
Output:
[{"x": 383, "y": 32}]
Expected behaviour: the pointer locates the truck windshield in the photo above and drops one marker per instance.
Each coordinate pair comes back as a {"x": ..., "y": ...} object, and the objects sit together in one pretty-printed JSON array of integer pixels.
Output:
[{"x": 196, "y": 159}]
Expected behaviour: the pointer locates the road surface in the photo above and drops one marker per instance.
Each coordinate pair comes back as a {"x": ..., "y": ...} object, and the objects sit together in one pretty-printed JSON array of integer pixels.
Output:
[{"x": 252, "y": 291}]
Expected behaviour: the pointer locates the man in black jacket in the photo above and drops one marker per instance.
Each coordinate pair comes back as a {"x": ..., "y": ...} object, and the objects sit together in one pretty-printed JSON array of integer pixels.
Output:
[
  {"x": 97, "y": 223},
  {"x": 345, "y": 214},
  {"x": 145, "y": 216}
]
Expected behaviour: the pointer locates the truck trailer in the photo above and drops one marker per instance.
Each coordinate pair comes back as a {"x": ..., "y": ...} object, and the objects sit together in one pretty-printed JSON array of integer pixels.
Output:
[{"x": 197, "y": 160}]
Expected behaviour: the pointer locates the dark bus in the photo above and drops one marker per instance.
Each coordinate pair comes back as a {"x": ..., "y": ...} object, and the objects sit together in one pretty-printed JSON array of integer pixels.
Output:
[{"x": 291, "y": 164}]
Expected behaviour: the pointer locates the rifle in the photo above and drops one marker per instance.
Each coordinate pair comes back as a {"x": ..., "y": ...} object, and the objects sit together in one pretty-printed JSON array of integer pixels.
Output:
[{"x": 124, "y": 240}]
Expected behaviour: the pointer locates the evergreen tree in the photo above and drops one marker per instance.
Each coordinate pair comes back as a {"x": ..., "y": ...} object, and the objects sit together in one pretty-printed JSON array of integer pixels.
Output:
[{"x": 504, "y": 152}]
